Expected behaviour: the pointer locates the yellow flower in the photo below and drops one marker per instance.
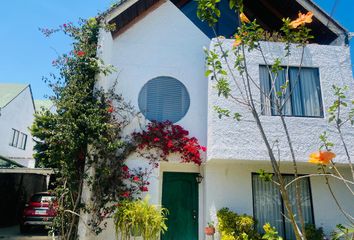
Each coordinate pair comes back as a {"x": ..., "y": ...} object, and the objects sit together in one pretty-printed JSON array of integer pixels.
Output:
[
  {"x": 321, "y": 157},
  {"x": 243, "y": 18},
  {"x": 238, "y": 41},
  {"x": 301, "y": 20}
]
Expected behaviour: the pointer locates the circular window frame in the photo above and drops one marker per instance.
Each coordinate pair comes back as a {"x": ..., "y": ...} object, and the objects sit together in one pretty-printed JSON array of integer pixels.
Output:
[{"x": 143, "y": 104}]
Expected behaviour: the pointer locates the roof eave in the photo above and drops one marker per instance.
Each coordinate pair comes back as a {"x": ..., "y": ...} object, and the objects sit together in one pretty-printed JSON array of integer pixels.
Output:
[{"x": 323, "y": 17}]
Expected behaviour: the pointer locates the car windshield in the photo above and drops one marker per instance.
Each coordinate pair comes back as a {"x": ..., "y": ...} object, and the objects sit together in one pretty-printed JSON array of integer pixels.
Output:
[{"x": 42, "y": 198}]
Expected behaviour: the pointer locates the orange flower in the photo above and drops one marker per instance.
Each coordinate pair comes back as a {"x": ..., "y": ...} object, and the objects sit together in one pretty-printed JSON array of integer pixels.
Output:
[
  {"x": 301, "y": 20},
  {"x": 321, "y": 157},
  {"x": 243, "y": 18},
  {"x": 238, "y": 41}
]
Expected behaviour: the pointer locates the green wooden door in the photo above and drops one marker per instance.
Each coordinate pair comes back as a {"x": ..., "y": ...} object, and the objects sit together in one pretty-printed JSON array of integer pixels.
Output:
[{"x": 180, "y": 197}]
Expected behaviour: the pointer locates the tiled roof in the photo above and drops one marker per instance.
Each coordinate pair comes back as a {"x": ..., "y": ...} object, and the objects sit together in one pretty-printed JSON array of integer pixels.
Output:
[{"x": 8, "y": 91}]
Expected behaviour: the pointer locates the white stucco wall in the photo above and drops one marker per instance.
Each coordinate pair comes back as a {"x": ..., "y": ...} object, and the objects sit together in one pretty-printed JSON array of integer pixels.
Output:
[
  {"x": 166, "y": 43},
  {"x": 163, "y": 43},
  {"x": 229, "y": 139},
  {"x": 18, "y": 114},
  {"x": 229, "y": 184},
  {"x": 155, "y": 191}
]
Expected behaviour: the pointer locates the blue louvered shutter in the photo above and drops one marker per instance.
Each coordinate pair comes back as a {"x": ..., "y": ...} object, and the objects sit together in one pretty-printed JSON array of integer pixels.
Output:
[{"x": 164, "y": 98}]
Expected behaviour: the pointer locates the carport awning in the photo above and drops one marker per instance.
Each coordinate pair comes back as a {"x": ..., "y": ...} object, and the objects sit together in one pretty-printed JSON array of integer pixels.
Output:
[
  {"x": 41, "y": 171},
  {"x": 9, "y": 166},
  {"x": 8, "y": 163}
]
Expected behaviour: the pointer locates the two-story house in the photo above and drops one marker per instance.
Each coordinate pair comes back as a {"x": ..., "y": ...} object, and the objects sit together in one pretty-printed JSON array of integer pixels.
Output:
[
  {"x": 157, "y": 47},
  {"x": 16, "y": 116}
]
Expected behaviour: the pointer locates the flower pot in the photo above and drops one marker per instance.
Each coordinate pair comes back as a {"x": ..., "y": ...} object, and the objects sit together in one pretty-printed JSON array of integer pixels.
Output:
[{"x": 209, "y": 231}]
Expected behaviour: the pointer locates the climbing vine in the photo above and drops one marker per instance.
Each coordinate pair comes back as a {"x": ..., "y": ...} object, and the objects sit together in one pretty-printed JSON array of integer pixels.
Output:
[{"x": 83, "y": 133}]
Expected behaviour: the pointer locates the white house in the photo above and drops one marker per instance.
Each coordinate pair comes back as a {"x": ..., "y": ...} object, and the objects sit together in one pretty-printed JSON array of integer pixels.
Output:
[
  {"x": 161, "y": 43},
  {"x": 17, "y": 109}
]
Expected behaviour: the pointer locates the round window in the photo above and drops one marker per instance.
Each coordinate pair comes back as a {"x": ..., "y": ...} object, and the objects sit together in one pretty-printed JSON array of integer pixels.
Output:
[{"x": 164, "y": 98}]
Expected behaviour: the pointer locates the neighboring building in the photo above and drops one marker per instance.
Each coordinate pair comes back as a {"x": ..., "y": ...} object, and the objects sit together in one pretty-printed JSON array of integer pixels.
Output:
[
  {"x": 43, "y": 105},
  {"x": 16, "y": 109},
  {"x": 19, "y": 179},
  {"x": 159, "y": 45}
]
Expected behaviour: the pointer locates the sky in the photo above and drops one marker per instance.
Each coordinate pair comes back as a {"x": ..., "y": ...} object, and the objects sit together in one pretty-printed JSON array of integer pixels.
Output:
[{"x": 26, "y": 55}]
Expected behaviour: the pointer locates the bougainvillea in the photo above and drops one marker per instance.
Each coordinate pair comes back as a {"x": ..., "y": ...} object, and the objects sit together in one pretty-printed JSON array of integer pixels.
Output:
[
  {"x": 170, "y": 138},
  {"x": 136, "y": 180},
  {"x": 154, "y": 145}
]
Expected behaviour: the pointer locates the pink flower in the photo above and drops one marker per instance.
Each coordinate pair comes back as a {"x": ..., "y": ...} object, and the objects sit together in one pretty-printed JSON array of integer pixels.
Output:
[
  {"x": 144, "y": 189},
  {"x": 169, "y": 144},
  {"x": 156, "y": 139},
  {"x": 126, "y": 194},
  {"x": 125, "y": 168},
  {"x": 136, "y": 179},
  {"x": 203, "y": 148},
  {"x": 80, "y": 53}
]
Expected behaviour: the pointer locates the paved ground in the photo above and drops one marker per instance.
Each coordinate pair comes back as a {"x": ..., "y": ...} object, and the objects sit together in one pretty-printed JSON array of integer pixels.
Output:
[{"x": 13, "y": 233}]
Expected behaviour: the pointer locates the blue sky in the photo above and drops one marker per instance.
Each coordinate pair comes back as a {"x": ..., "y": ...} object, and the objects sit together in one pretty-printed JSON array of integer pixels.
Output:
[{"x": 26, "y": 55}]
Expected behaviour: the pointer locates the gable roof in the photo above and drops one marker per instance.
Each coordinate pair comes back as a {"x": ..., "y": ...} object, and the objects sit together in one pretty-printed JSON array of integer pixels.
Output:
[
  {"x": 324, "y": 27},
  {"x": 9, "y": 91},
  {"x": 125, "y": 11},
  {"x": 45, "y": 104},
  {"x": 269, "y": 13}
]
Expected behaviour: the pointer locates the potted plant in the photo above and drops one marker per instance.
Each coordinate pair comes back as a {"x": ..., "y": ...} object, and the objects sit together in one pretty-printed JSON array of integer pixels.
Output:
[
  {"x": 138, "y": 219},
  {"x": 210, "y": 229}
]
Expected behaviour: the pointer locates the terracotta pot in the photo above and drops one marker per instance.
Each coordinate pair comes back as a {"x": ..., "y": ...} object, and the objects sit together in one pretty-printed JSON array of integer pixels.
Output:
[{"x": 209, "y": 231}]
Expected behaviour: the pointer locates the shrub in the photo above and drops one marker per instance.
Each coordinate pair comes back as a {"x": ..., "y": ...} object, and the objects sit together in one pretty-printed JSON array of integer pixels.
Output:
[
  {"x": 270, "y": 233},
  {"x": 313, "y": 233},
  {"x": 236, "y": 227},
  {"x": 343, "y": 233}
]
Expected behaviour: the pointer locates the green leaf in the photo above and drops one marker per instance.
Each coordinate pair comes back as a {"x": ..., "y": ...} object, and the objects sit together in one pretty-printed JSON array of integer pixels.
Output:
[
  {"x": 237, "y": 116},
  {"x": 208, "y": 72},
  {"x": 223, "y": 87},
  {"x": 264, "y": 175},
  {"x": 222, "y": 112}
]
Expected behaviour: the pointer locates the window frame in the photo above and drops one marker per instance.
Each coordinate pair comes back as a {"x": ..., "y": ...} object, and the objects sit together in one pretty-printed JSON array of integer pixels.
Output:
[
  {"x": 308, "y": 179},
  {"x": 14, "y": 134},
  {"x": 23, "y": 142},
  {"x": 320, "y": 100},
  {"x": 151, "y": 87},
  {"x": 18, "y": 139}
]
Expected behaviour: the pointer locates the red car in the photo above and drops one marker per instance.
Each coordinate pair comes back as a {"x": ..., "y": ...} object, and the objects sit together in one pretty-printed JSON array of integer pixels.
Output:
[{"x": 39, "y": 211}]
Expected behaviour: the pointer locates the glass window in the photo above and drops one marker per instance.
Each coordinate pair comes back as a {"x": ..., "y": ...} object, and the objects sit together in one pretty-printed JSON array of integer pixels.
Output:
[
  {"x": 269, "y": 207},
  {"x": 14, "y": 139},
  {"x": 302, "y": 96},
  {"x": 18, "y": 139},
  {"x": 164, "y": 98},
  {"x": 23, "y": 141}
]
